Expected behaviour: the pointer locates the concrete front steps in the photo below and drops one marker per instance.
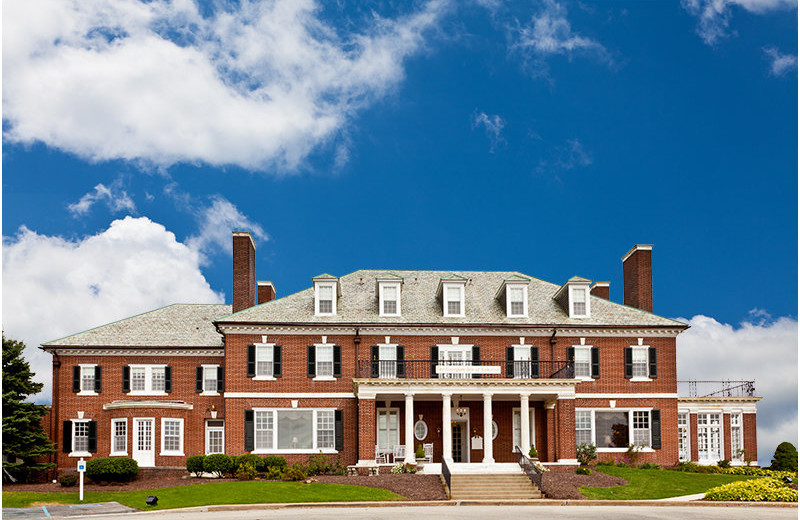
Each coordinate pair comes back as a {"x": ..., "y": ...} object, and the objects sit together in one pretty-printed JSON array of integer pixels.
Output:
[{"x": 493, "y": 487}]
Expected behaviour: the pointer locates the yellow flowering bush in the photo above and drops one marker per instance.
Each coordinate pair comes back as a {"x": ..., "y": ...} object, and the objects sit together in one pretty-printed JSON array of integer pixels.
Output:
[
  {"x": 758, "y": 472},
  {"x": 757, "y": 490}
]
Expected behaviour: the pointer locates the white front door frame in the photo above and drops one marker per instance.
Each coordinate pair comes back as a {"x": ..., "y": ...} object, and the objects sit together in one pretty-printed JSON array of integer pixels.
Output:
[{"x": 143, "y": 450}]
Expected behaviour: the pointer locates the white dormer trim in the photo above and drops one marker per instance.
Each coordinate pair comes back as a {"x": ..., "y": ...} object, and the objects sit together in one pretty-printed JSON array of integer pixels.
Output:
[
  {"x": 446, "y": 287},
  {"x": 321, "y": 285},
  {"x": 574, "y": 292},
  {"x": 382, "y": 286},
  {"x": 510, "y": 286}
]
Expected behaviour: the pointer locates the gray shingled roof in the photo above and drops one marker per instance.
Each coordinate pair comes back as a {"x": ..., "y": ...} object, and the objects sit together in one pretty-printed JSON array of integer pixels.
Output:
[
  {"x": 358, "y": 303},
  {"x": 178, "y": 325}
]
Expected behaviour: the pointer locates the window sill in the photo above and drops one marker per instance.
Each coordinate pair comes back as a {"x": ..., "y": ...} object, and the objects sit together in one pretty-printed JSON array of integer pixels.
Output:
[
  {"x": 390, "y": 315},
  {"x": 264, "y": 378},
  {"x": 151, "y": 394},
  {"x": 640, "y": 379},
  {"x": 80, "y": 454},
  {"x": 324, "y": 378},
  {"x": 623, "y": 450},
  {"x": 86, "y": 392},
  {"x": 585, "y": 378},
  {"x": 118, "y": 454},
  {"x": 171, "y": 454},
  {"x": 209, "y": 393}
]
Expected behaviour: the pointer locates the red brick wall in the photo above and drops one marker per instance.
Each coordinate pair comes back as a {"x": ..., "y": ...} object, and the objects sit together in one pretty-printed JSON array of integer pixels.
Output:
[
  {"x": 637, "y": 274},
  {"x": 693, "y": 436},
  {"x": 726, "y": 436},
  {"x": 750, "y": 439},
  {"x": 244, "y": 272}
]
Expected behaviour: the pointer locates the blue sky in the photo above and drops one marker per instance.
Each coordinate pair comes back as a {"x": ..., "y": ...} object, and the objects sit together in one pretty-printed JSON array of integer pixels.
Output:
[{"x": 545, "y": 137}]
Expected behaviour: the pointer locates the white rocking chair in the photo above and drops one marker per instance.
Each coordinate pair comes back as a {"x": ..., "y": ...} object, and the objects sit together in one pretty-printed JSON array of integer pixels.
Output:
[
  {"x": 428, "y": 449},
  {"x": 381, "y": 455}
]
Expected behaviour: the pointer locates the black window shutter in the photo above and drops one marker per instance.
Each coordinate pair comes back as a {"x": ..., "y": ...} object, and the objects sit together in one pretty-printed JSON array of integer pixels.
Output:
[
  {"x": 338, "y": 431},
  {"x": 374, "y": 359},
  {"x": 249, "y": 426},
  {"x": 92, "y": 436},
  {"x": 655, "y": 428},
  {"x": 570, "y": 353},
  {"x": 534, "y": 362},
  {"x": 67, "y": 439},
  {"x": 628, "y": 362},
  {"x": 126, "y": 379},
  {"x": 276, "y": 361},
  {"x": 312, "y": 364},
  {"x": 476, "y": 359},
  {"x": 198, "y": 380},
  {"x": 509, "y": 362},
  {"x": 76, "y": 379},
  {"x": 251, "y": 361},
  {"x": 168, "y": 379},
  {"x": 401, "y": 361},
  {"x": 595, "y": 362},
  {"x": 434, "y": 361},
  {"x": 653, "y": 364},
  {"x": 337, "y": 361},
  {"x": 98, "y": 379},
  {"x": 220, "y": 379}
]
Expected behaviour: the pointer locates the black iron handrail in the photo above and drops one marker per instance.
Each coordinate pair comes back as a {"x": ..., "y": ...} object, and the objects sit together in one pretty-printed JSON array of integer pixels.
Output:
[
  {"x": 530, "y": 469},
  {"x": 467, "y": 369},
  {"x": 693, "y": 388},
  {"x": 446, "y": 475}
]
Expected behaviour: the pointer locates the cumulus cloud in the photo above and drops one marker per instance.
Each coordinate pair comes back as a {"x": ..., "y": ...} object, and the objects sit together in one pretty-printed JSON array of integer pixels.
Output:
[
  {"x": 55, "y": 286},
  {"x": 216, "y": 221},
  {"x": 762, "y": 349},
  {"x": 713, "y": 16},
  {"x": 254, "y": 84},
  {"x": 550, "y": 33},
  {"x": 780, "y": 64},
  {"x": 114, "y": 197},
  {"x": 492, "y": 125}
]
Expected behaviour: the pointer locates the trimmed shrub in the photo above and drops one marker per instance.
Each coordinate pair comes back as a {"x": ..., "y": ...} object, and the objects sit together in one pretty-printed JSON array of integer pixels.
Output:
[
  {"x": 649, "y": 465},
  {"x": 194, "y": 464},
  {"x": 586, "y": 453},
  {"x": 246, "y": 472},
  {"x": 757, "y": 490},
  {"x": 583, "y": 471},
  {"x": 274, "y": 473},
  {"x": 219, "y": 464},
  {"x": 68, "y": 479},
  {"x": 271, "y": 461},
  {"x": 758, "y": 472},
  {"x": 112, "y": 469},
  {"x": 533, "y": 452},
  {"x": 295, "y": 472},
  {"x": 687, "y": 467},
  {"x": 247, "y": 458},
  {"x": 318, "y": 465},
  {"x": 724, "y": 464},
  {"x": 785, "y": 458}
]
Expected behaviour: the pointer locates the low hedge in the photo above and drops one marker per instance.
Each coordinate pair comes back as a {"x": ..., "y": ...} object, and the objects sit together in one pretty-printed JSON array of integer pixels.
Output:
[
  {"x": 112, "y": 469},
  {"x": 757, "y": 490},
  {"x": 271, "y": 461},
  {"x": 194, "y": 464},
  {"x": 693, "y": 467},
  {"x": 219, "y": 464}
]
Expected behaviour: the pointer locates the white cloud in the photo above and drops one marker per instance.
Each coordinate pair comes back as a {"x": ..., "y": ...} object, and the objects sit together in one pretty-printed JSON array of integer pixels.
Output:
[
  {"x": 493, "y": 125},
  {"x": 566, "y": 157},
  {"x": 258, "y": 85},
  {"x": 550, "y": 33},
  {"x": 114, "y": 196},
  {"x": 780, "y": 64},
  {"x": 216, "y": 223},
  {"x": 54, "y": 286},
  {"x": 765, "y": 351},
  {"x": 713, "y": 16}
]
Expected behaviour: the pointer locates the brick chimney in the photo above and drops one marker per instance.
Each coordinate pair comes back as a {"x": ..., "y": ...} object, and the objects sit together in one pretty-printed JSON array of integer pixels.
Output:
[
  {"x": 601, "y": 290},
  {"x": 637, "y": 277},
  {"x": 266, "y": 292},
  {"x": 244, "y": 271}
]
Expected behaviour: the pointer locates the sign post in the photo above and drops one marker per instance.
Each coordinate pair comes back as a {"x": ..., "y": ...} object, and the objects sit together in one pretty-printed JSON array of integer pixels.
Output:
[{"x": 81, "y": 471}]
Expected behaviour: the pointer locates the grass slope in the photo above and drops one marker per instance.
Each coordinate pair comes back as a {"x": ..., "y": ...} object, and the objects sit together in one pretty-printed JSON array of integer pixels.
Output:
[
  {"x": 251, "y": 492},
  {"x": 652, "y": 484}
]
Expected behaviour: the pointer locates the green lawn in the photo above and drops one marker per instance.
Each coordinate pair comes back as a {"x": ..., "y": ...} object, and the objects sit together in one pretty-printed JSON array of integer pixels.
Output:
[
  {"x": 651, "y": 484},
  {"x": 250, "y": 492}
]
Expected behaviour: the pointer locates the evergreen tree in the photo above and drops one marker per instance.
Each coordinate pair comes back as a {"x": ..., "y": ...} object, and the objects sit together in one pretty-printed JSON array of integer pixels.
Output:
[
  {"x": 24, "y": 439},
  {"x": 785, "y": 458}
]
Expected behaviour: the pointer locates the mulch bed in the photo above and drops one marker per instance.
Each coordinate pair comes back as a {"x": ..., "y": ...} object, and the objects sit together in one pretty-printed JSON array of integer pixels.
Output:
[{"x": 564, "y": 485}]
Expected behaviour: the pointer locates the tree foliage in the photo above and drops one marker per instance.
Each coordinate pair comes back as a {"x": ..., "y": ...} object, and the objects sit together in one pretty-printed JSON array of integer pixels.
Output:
[
  {"x": 24, "y": 439},
  {"x": 785, "y": 458}
]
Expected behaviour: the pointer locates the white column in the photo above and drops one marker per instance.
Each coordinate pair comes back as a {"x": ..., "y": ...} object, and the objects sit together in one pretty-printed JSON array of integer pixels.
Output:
[
  {"x": 488, "y": 451},
  {"x": 447, "y": 429},
  {"x": 410, "y": 458},
  {"x": 524, "y": 424}
]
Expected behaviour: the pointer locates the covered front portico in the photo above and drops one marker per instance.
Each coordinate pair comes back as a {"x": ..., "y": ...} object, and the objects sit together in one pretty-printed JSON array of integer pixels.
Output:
[{"x": 479, "y": 422}]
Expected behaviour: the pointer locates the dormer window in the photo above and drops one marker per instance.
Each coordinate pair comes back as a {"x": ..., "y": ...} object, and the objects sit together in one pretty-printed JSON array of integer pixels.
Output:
[
  {"x": 326, "y": 290},
  {"x": 325, "y": 299},
  {"x": 451, "y": 291},
  {"x": 389, "y": 294},
  {"x": 513, "y": 294},
  {"x": 516, "y": 301},
  {"x": 573, "y": 297},
  {"x": 578, "y": 302}
]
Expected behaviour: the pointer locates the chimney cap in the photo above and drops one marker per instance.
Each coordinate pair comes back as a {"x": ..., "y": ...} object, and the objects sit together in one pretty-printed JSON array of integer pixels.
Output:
[
  {"x": 247, "y": 234},
  {"x": 266, "y": 283},
  {"x": 637, "y": 247},
  {"x": 601, "y": 284}
]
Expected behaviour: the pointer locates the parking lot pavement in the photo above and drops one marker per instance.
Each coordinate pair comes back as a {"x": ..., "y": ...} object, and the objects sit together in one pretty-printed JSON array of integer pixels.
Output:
[{"x": 64, "y": 511}]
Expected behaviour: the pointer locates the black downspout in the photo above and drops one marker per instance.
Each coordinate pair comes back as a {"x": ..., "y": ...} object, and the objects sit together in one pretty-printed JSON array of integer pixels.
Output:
[
  {"x": 553, "y": 346},
  {"x": 54, "y": 422},
  {"x": 357, "y": 342}
]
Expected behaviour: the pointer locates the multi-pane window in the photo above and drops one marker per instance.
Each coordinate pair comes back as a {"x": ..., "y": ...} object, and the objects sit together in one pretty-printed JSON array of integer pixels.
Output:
[
  {"x": 388, "y": 428},
  {"x": 683, "y": 437},
  {"x": 583, "y": 427},
  {"x": 325, "y": 426},
  {"x": 639, "y": 357},
  {"x": 80, "y": 436},
  {"x": 263, "y": 425},
  {"x": 148, "y": 378},
  {"x": 450, "y": 358},
  {"x": 324, "y": 359},
  {"x": 210, "y": 379},
  {"x": 87, "y": 378},
  {"x": 522, "y": 362},
  {"x": 453, "y": 295},
  {"x": 215, "y": 437},
  {"x": 119, "y": 436},
  {"x": 264, "y": 361},
  {"x": 579, "y": 301},
  {"x": 390, "y": 299},
  {"x": 641, "y": 428},
  {"x": 387, "y": 363},
  {"x": 325, "y": 295},
  {"x": 516, "y": 301},
  {"x": 736, "y": 437},
  {"x": 171, "y": 436},
  {"x": 709, "y": 445},
  {"x": 138, "y": 379},
  {"x": 158, "y": 379},
  {"x": 517, "y": 429},
  {"x": 583, "y": 362},
  {"x": 291, "y": 430}
]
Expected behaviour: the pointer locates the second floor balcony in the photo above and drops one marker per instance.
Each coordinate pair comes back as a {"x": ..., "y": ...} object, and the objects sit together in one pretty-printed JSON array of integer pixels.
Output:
[
  {"x": 726, "y": 388},
  {"x": 464, "y": 369}
]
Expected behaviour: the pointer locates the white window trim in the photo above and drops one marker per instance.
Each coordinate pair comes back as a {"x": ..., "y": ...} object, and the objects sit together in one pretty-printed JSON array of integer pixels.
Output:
[
  {"x": 524, "y": 288},
  {"x": 460, "y": 287},
  {"x": 316, "y": 361},
  {"x": 113, "y": 453},
  {"x": 317, "y": 286},
  {"x": 735, "y": 449},
  {"x": 177, "y": 453},
  {"x": 215, "y": 428},
  {"x": 427, "y": 430},
  {"x": 215, "y": 367},
  {"x": 531, "y": 424},
  {"x": 148, "y": 380},
  {"x": 572, "y": 313},
  {"x": 87, "y": 365},
  {"x": 379, "y": 345},
  {"x": 646, "y": 363},
  {"x": 74, "y": 453},
  {"x": 275, "y": 448},
  {"x": 629, "y": 411},
  {"x": 688, "y": 436},
  {"x": 722, "y": 439},
  {"x": 587, "y": 348},
  {"x": 381, "y": 287},
  {"x": 388, "y": 410},
  {"x": 265, "y": 378}
]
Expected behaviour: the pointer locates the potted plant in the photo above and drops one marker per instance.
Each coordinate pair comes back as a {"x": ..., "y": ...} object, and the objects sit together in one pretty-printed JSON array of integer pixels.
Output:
[
  {"x": 420, "y": 456},
  {"x": 533, "y": 454}
]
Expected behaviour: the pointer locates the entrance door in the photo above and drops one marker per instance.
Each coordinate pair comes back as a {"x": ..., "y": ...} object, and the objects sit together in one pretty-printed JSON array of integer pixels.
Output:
[
  {"x": 143, "y": 451},
  {"x": 458, "y": 435},
  {"x": 215, "y": 436}
]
